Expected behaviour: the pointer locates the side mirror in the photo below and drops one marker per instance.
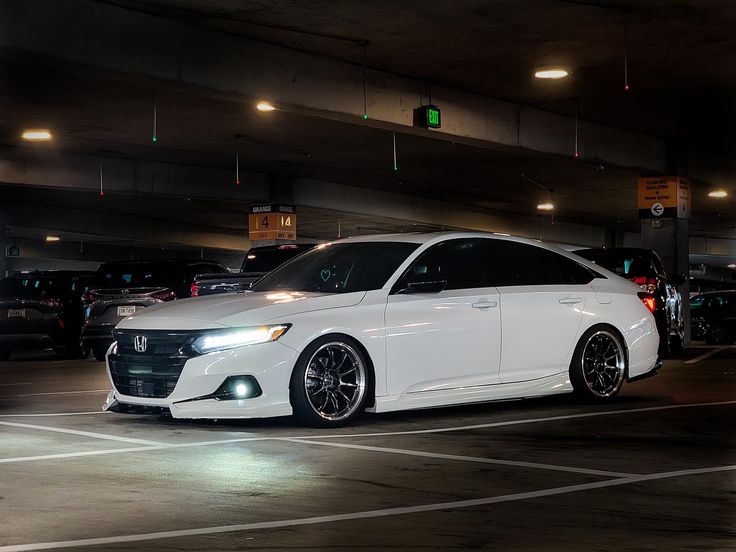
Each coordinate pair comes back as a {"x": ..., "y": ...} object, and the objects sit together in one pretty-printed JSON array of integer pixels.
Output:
[
  {"x": 679, "y": 279},
  {"x": 430, "y": 285}
]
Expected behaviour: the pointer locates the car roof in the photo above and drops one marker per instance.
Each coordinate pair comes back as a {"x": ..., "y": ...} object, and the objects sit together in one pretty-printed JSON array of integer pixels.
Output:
[
  {"x": 165, "y": 261},
  {"x": 424, "y": 237}
]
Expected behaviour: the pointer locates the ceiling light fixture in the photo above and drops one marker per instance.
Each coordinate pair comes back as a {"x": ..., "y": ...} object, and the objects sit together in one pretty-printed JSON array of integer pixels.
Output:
[
  {"x": 548, "y": 206},
  {"x": 37, "y": 135},
  {"x": 718, "y": 193},
  {"x": 551, "y": 74},
  {"x": 53, "y": 238},
  {"x": 732, "y": 265},
  {"x": 265, "y": 106}
]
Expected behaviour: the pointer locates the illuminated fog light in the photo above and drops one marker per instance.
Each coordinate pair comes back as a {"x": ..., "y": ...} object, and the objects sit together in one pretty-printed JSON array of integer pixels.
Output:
[
  {"x": 36, "y": 135},
  {"x": 241, "y": 390},
  {"x": 551, "y": 74}
]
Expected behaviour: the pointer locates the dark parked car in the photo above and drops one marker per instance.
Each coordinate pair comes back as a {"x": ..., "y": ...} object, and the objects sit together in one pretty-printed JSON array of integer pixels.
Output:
[
  {"x": 257, "y": 263},
  {"x": 121, "y": 288},
  {"x": 41, "y": 310},
  {"x": 644, "y": 267},
  {"x": 713, "y": 317}
]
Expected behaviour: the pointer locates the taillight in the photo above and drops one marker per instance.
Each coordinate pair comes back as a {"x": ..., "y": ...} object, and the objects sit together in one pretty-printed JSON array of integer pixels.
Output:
[
  {"x": 650, "y": 302},
  {"x": 89, "y": 298},
  {"x": 647, "y": 284},
  {"x": 194, "y": 289},
  {"x": 164, "y": 295}
]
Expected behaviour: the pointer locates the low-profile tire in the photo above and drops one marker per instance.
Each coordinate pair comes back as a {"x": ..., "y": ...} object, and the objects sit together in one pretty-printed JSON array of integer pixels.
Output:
[
  {"x": 598, "y": 366},
  {"x": 330, "y": 382},
  {"x": 99, "y": 352}
]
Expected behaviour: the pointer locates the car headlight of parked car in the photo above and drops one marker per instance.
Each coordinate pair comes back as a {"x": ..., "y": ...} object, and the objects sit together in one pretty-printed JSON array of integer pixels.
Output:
[{"x": 221, "y": 340}]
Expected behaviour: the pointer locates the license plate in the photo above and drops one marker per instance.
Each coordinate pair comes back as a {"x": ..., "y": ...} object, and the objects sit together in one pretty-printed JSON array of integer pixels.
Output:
[
  {"x": 16, "y": 313},
  {"x": 126, "y": 311}
]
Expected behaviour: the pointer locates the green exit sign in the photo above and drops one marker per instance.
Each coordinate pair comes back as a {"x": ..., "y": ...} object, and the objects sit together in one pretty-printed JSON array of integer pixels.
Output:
[{"x": 428, "y": 116}]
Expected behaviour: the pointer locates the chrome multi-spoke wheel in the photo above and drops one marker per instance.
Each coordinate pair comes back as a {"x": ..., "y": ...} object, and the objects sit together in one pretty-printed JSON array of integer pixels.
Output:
[
  {"x": 603, "y": 363},
  {"x": 335, "y": 381}
]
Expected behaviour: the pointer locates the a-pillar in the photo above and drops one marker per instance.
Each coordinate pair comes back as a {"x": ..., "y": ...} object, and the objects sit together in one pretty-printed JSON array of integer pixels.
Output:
[{"x": 670, "y": 239}]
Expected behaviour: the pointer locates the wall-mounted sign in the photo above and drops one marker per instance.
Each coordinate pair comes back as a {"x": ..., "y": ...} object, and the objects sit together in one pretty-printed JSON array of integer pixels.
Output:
[
  {"x": 428, "y": 116},
  {"x": 271, "y": 221},
  {"x": 13, "y": 251},
  {"x": 664, "y": 197}
]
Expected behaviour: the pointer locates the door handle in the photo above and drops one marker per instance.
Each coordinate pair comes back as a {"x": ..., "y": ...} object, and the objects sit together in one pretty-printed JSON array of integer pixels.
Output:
[
  {"x": 571, "y": 300},
  {"x": 485, "y": 304}
]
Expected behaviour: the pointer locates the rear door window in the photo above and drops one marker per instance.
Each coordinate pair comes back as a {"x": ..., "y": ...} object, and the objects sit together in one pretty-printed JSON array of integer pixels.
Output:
[{"x": 520, "y": 264}]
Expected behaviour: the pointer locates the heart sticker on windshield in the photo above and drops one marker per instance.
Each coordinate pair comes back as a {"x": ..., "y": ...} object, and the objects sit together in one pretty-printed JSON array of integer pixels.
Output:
[{"x": 326, "y": 274}]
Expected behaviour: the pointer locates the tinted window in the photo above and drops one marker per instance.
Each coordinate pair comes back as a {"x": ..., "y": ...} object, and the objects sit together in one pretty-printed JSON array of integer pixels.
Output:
[
  {"x": 266, "y": 260},
  {"x": 461, "y": 263},
  {"x": 574, "y": 272},
  {"x": 519, "y": 264},
  {"x": 628, "y": 263},
  {"x": 339, "y": 268},
  {"x": 33, "y": 286},
  {"x": 135, "y": 274}
]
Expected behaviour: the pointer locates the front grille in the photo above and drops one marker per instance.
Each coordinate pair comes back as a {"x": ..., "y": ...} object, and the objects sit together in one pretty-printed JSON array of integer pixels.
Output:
[{"x": 155, "y": 372}]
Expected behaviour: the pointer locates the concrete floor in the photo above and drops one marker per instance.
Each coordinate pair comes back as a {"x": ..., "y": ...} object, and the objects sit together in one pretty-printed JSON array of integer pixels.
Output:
[{"x": 655, "y": 470}]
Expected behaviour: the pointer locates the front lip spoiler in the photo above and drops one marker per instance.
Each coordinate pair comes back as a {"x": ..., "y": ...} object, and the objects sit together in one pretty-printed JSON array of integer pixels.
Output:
[{"x": 653, "y": 372}]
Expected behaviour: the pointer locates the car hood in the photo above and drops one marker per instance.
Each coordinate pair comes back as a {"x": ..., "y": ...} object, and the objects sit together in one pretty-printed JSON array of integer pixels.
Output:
[{"x": 235, "y": 309}]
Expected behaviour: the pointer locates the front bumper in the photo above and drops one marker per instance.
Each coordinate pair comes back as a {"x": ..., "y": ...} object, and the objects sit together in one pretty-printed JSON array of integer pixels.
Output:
[{"x": 269, "y": 363}]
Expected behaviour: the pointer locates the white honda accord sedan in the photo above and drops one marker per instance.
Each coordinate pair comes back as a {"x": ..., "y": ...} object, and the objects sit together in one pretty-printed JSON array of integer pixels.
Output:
[{"x": 385, "y": 323}]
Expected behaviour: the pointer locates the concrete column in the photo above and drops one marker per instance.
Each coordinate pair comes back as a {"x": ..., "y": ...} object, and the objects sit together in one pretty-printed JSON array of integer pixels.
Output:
[
  {"x": 3, "y": 247},
  {"x": 670, "y": 239}
]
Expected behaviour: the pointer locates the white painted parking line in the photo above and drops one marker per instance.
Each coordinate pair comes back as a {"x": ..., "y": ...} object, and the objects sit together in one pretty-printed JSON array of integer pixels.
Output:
[
  {"x": 521, "y": 422},
  {"x": 56, "y": 393},
  {"x": 517, "y": 464},
  {"x": 83, "y": 433},
  {"x": 366, "y": 514},
  {"x": 53, "y": 414},
  {"x": 705, "y": 355}
]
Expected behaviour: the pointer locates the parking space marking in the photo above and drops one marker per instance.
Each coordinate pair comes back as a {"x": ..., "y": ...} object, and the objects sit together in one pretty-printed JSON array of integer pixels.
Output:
[
  {"x": 366, "y": 514},
  {"x": 56, "y": 393},
  {"x": 518, "y": 464},
  {"x": 705, "y": 355},
  {"x": 83, "y": 433},
  {"x": 53, "y": 414},
  {"x": 522, "y": 421}
]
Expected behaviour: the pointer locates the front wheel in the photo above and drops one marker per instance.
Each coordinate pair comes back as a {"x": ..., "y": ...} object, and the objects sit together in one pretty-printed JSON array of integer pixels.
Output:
[
  {"x": 598, "y": 366},
  {"x": 330, "y": 382}
]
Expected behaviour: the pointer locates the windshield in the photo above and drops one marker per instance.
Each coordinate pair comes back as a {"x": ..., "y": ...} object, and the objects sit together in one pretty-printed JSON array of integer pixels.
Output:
[
  {"x": 136, "y": 274},
  {"x": 624, "y": 262},
  {"x": 33, "y": 286},
  {"x": 265, "y": 260},
  {"x": 339, "y": 268}
]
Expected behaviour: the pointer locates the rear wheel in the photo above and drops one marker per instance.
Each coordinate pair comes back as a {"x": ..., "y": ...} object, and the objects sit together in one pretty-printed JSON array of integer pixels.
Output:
[
  {"x": 330, "y": 382},
  {"x": 598, "y": 366},
  {"x": 99, "y": 352}
]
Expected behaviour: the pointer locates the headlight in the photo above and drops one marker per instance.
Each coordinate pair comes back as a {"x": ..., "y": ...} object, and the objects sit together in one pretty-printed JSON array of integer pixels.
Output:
[{"x": 237, "y": 337}]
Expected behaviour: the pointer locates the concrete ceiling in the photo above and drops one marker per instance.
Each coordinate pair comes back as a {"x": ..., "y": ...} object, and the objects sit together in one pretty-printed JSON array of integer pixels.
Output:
[{"x": 682, "y": 55}]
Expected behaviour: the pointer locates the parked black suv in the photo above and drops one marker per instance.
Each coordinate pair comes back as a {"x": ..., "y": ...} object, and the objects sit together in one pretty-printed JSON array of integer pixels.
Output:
[
  {"x": 660, "y": 294},
  {"x": 713, "y": 317},
  {"x": 121, "y": 288},
  {"x": 41, "y": 310},
  {"x": 257, "y": 263}
]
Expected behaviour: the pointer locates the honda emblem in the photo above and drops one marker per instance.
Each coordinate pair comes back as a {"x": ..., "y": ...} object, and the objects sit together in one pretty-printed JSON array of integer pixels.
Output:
[{"x": 140, "y": 343}]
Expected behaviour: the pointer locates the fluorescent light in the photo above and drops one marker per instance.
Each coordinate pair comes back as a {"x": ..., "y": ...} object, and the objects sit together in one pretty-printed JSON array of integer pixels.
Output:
[
  {"x": 546, "y": 206},
  {"x": 36, "y": 135},
  {"x": 265, "y": 106},
  {"x": 251, "y": 256},
  {"x": 53, "y": 238},
  {"x": 718, "y": 193},
  {"x": 551, "y": 74},
  {"x": 732, "y": 265}
]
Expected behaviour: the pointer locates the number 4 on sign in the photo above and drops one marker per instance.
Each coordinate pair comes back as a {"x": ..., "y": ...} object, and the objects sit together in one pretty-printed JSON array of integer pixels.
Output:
[{"x": 264, "y": 222}]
